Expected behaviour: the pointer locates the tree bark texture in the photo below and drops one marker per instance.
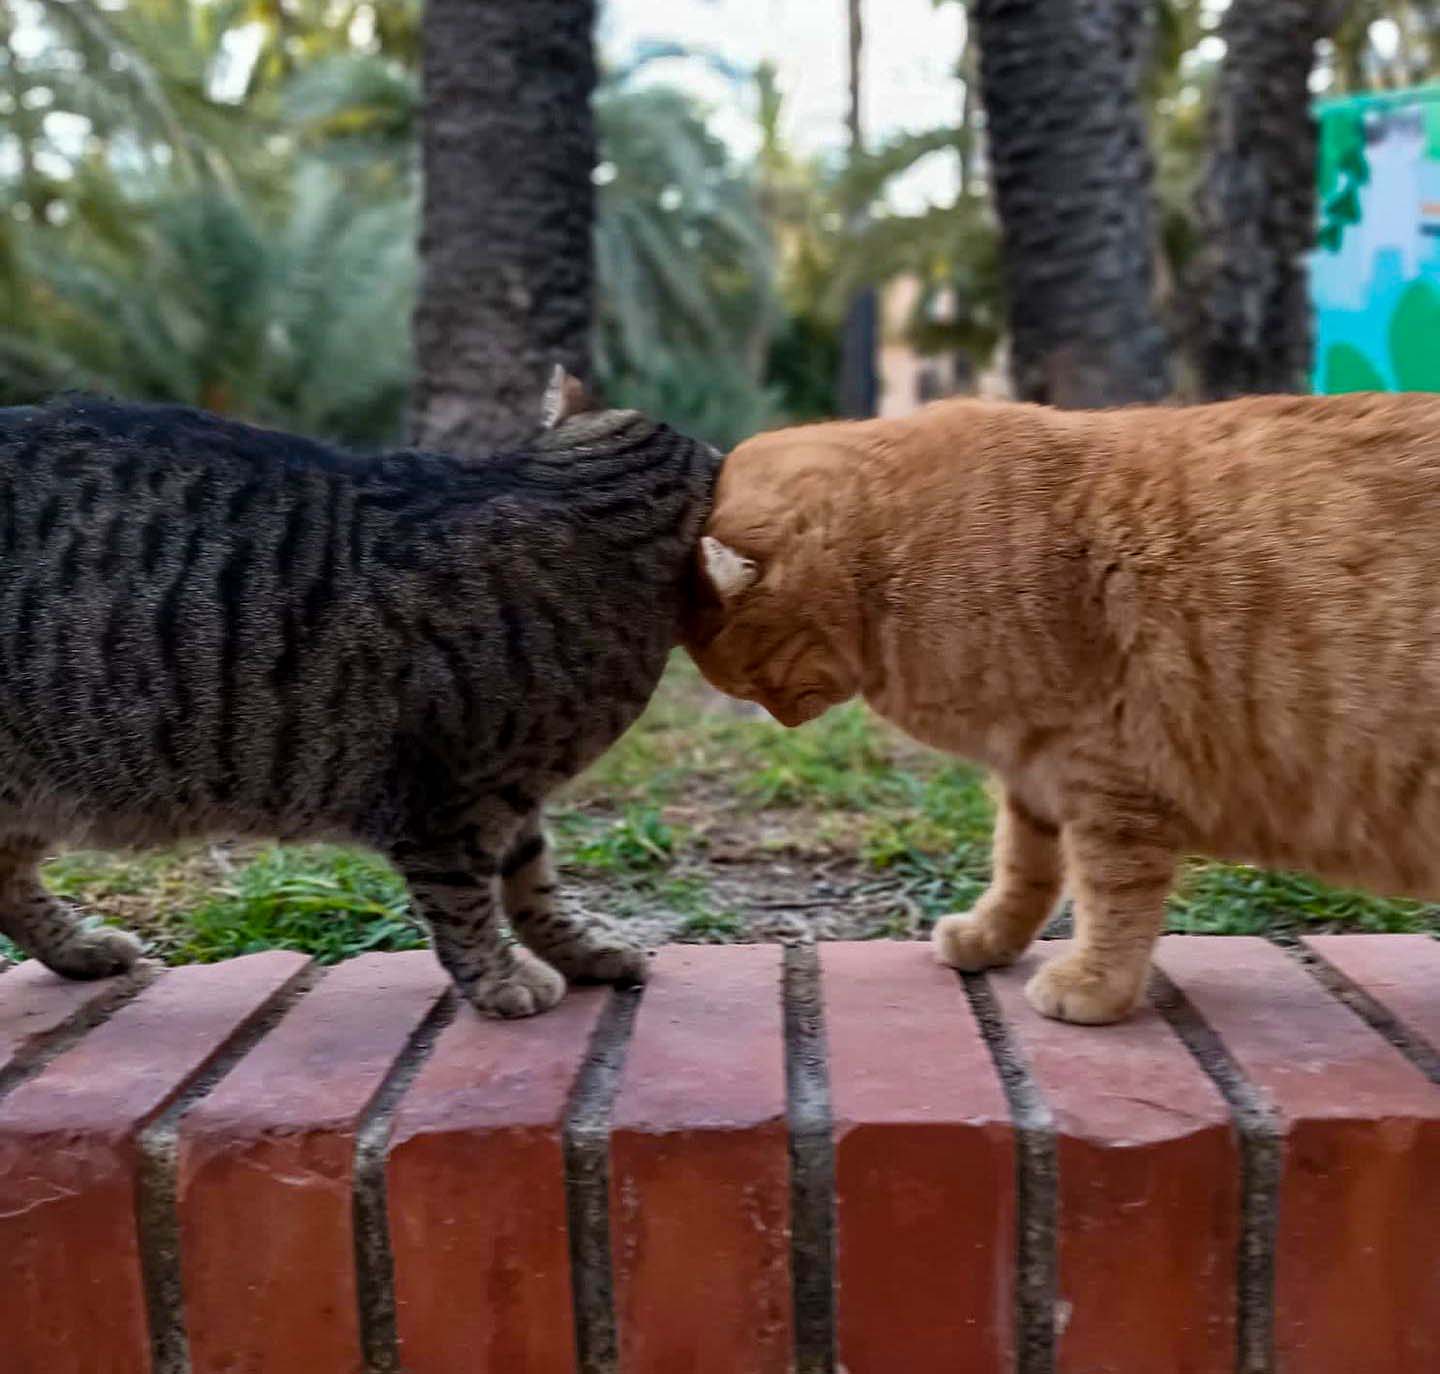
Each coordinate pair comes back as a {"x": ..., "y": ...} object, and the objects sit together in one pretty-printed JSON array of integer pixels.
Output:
[
  {"x": 1249, "y": 312},
  {"x": 1061, "y": 82},
  {"x": 857, "y": 389},
  {"x": 507, "y": 276}
]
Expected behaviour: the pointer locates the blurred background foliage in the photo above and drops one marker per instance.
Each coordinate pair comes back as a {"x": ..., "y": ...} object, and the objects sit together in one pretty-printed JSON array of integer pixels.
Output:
[
  {"x": 214, "y": 201},
  {"x": 217, "y": 202}
]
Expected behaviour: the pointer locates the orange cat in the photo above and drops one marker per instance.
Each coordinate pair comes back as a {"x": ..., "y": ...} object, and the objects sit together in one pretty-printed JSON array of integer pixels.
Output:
[{"x": 1203, "y": 630}]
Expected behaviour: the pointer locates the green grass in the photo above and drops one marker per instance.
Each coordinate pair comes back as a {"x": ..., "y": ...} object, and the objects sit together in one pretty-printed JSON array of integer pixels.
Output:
[
  {"x": 1231, "y": 899},
  {"x": 638, "y": 841},
  {"x": 688, "y": 816},
  {"x": 326, "y": 901},
  {"x": 640, "y": 858},
  {"x": 711, "y": 927},
  {"x": 82, "y": 875},
  {"x": 838, "y": 763},
  {"x": 926, "y": 821},
  {"x": 323, "y": 900}
]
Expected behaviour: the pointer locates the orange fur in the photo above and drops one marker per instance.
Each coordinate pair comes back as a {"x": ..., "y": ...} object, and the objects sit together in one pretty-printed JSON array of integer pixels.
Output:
[{"x": 1212, "y": 629}]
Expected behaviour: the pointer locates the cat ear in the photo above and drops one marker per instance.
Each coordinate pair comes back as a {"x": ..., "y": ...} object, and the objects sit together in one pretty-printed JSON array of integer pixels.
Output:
[
  {"x": 730, "y": 572},
  {"x": 565, "y": 396}
]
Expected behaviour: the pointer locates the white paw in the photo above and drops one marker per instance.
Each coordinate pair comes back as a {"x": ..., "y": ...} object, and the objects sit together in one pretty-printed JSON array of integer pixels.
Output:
[
  {"x": 529, "y": 986},
  {"x": 96, "y": 952},
  {"x": 964, "y": 941},
  {"x": 1067, "y": 990},
  {"x": 598, "y": 953}
]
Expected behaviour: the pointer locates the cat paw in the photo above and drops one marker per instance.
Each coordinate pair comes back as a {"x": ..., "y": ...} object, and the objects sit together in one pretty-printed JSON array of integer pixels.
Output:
[
  {"x": 528, "y": 986},
  {"x": 94, "y": 952},
  {"x": 966, "y": 942},
  {"x": 596, "y": 952},
  {"x": 1068, "y": 990}
]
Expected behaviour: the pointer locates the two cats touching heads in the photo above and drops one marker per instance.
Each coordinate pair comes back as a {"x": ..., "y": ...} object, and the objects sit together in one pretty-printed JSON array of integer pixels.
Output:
[{"x": 1194, "y": 630}]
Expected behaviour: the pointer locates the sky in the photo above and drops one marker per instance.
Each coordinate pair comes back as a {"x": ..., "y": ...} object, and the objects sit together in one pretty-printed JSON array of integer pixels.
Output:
[{"x": 911, "y": 47}]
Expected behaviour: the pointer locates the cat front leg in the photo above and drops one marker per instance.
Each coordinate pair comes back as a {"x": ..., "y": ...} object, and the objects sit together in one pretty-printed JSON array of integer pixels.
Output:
[
  {"x": 585, "y": 948},
  {"x": 1024, "y": 887},
  {"x": 48, "y": 929},
  {"x": 453, "y": 887},
  {"x": 1120, "y": 858}
]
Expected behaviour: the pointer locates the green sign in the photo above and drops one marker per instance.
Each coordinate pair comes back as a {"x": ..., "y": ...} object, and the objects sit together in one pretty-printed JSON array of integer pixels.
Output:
[{"x": 1375, "y": 274}]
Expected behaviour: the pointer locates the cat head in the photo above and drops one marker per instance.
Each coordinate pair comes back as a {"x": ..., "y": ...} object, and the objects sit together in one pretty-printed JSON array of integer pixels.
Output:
[
  {"x": 771, "y": 613},
  {"x": 572, "y": 418}
]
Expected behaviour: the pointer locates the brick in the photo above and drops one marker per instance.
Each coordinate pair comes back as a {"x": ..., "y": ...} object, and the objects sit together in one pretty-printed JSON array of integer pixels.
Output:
[
  {"x": 71, "y": 1289},
  {"x": 1148, "y": 1189},
  {"x": 475, "y": 1184},
  {"x": 1399, "y": 972},
  {"x": 924, "y": 1167},
  {"x": 700, "y": 1179},
  {"x": 266, "y": 1168},
  {"x": 1357, "y": 1250},
  {"x": 35, "y": 1004}
]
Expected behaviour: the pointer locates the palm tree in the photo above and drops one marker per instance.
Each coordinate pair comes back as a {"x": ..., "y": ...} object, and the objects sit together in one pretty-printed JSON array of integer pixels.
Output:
[
  {"x": 280, "y": 291},
  {"x": 1255, "y": 210},
  {"x": 686, "y": 300},
  {"x": 856, "y": 389},
  {"x": 1358, "y": 66},
  {"x": 1061, "y": 82},
  {"x": 685, "y": 273},
  {"x": 239, "y": 276},
  {"x": 293, "y": 314},
  {"x": 507, "y": 273}
]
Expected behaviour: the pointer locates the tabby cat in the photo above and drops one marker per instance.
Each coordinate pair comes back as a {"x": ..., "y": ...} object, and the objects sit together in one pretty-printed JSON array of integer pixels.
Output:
[
  {"x": 207, "y": 628},
  {"x": 1208, "y": 630}
]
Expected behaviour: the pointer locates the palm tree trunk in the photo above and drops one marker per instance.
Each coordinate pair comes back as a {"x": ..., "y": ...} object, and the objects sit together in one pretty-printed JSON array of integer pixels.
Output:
[
  {"x": 1061, "y": 85},
  {"x": 965, "y": 146},
  {"x": 858, "y": 385},
  {"x": 1250, "y": 315},
  {"x": 1352, "y": 48},
  {"x": 855, "y": 35},
  {"x": 507, "y": 278}
]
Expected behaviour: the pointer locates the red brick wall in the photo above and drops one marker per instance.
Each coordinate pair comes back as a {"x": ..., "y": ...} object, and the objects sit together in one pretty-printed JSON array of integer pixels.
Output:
[{"x": 771, "y": 1161}]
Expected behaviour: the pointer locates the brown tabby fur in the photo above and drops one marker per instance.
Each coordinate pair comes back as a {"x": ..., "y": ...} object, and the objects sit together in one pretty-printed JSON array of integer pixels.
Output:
[
  {"x": 1211, "y": 630},
  {"x": 207, "y": 628}
]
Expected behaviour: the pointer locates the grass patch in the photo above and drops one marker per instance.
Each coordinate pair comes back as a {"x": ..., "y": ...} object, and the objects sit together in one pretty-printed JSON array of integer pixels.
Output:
[
  {"x": 703, "y": 823},
  {"x": 839, "y": 762},
  {"x": 638, "y": 841},
  {"x": 638, "y": 856},
  {"x": 86, "y": 875},
  {"x": 711, "y": 927},
  {"x": 322, "y": 900},
  {"x": 689, "y": 739},
  {"x": 1232, "y": 899}
]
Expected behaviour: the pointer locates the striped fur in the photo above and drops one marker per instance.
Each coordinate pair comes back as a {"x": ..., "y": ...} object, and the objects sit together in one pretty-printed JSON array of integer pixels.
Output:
[
  {"x": 1211, "y": 630},
  {"x": 207, "y": 628}
]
